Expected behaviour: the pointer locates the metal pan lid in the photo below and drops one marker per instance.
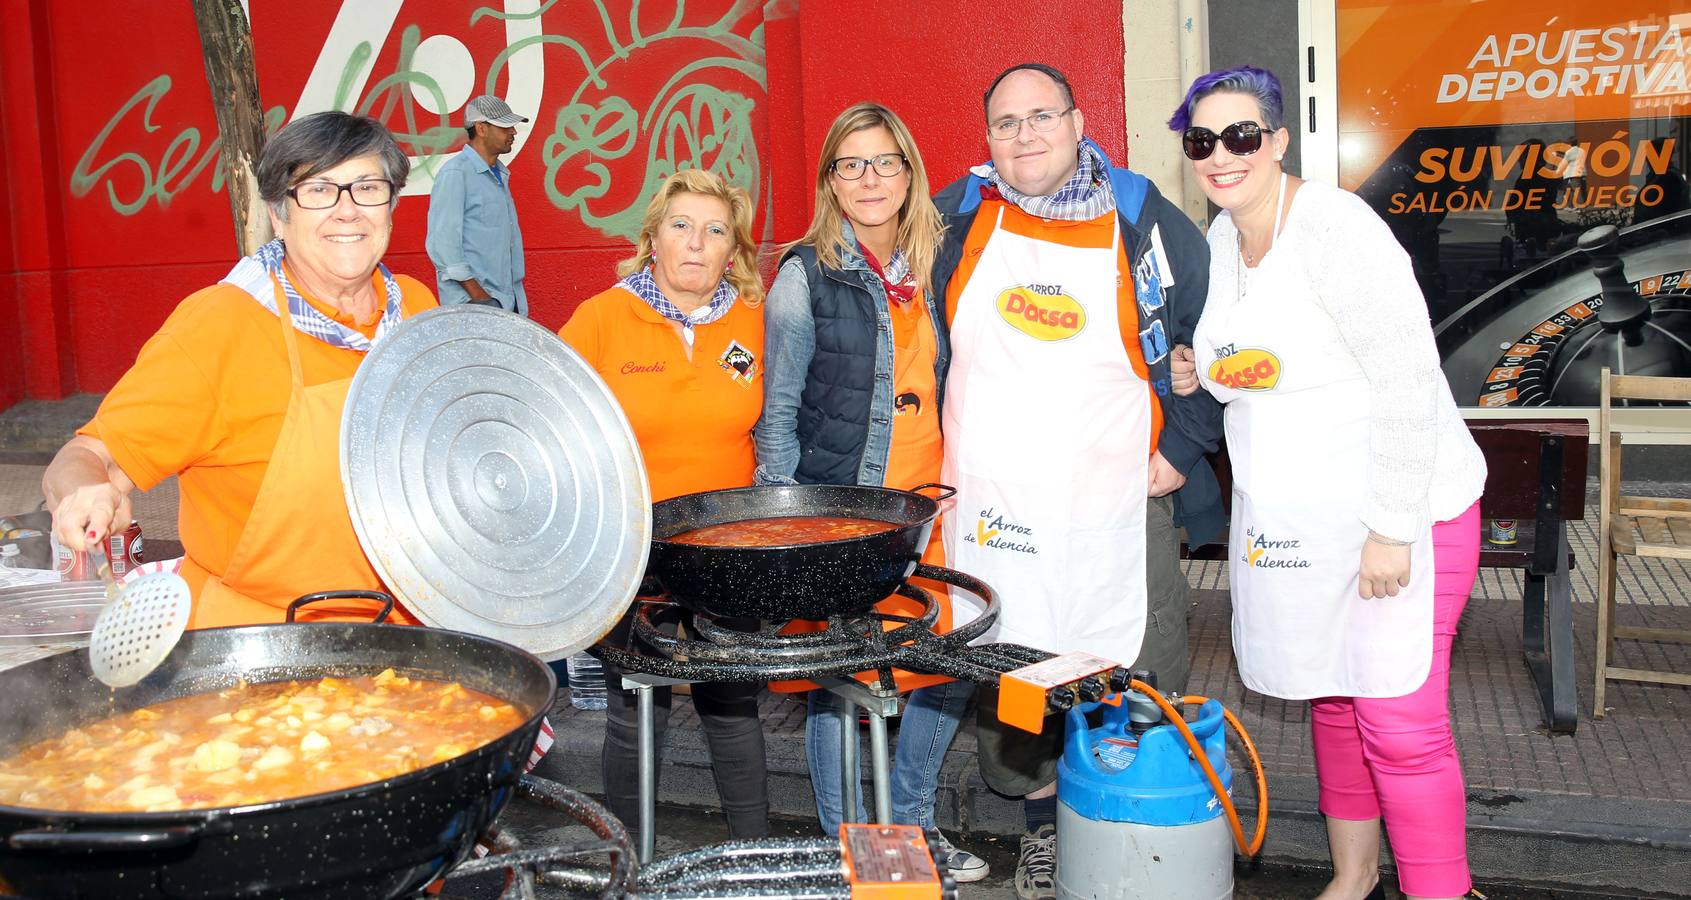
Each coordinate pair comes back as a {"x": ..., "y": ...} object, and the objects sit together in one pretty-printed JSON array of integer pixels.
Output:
[{"x": 494, "y": 482}]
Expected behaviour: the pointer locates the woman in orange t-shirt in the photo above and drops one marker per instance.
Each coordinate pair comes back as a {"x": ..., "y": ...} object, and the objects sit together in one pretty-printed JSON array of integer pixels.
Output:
[
  {"x": 680, "y": 342},
  {"x": 856, "y": 360},
  {"x": 240, "y": 392}
]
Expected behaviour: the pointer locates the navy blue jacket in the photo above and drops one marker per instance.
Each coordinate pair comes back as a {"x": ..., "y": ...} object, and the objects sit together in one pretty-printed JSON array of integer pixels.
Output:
[{"x": 1150, "y": 227}]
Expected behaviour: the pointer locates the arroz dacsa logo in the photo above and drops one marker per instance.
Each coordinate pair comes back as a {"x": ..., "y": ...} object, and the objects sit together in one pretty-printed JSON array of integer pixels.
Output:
[
  {"x": 1042, "y": 312},
  {"x": 1249, "y": 369}
]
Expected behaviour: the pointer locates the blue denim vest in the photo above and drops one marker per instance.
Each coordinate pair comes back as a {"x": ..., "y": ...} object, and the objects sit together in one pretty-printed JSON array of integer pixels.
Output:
[{"x": 845, "y": 409}]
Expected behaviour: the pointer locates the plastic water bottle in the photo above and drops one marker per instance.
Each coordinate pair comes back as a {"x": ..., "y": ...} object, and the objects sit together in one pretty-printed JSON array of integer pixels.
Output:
[{"x": 587, "y": 682}]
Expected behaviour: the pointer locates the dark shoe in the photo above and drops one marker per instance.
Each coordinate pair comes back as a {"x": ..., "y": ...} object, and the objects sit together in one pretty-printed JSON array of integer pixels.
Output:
[
  {"x": 965, "y": 866},
  {"x": 1378, "y": 893}
]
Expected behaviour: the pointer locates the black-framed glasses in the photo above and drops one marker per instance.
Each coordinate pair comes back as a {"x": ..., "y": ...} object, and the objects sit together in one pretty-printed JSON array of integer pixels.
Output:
[
  {"x": 1041, "y": 122},
  {"x": 851, "y": 168},
  {"x": 325, "y": 194},
  {"x": 1240, "y": 139}
]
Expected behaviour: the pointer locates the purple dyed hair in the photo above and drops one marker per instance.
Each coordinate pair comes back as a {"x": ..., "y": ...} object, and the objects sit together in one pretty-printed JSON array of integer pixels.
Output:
[{"x": 1249, "y": 80}]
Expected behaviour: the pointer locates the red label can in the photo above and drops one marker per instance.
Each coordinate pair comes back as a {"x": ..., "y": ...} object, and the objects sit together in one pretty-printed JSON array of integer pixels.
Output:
[{"x": 125, "y": 549}]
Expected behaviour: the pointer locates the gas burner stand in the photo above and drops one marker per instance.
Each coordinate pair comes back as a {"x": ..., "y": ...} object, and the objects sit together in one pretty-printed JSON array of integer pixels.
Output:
[{"x": 848, "y": 645}]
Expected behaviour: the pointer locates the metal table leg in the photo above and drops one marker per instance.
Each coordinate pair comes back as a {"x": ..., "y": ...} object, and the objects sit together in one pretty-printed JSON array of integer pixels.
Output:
[
  {"x": 849, "y": 778},
  {"x": 880, "y": 705},
  {"x": 648, "y": 773},
  {"x": 882, "y": 769},
  {"x": 646, "y": 726},
  {"x": 1547, "y": 627}
]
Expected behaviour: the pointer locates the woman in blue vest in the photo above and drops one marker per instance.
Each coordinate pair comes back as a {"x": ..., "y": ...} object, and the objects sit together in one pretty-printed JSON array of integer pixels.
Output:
[{"x": 855, "y": 355}]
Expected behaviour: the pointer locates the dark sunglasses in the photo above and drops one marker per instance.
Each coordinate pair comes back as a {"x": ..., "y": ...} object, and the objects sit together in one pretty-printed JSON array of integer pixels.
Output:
[{"x": 1240, "y": 139}]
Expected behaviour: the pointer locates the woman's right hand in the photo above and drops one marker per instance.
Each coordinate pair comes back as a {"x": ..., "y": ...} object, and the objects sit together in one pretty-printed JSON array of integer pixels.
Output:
[
  {"x": 89, "y": 513},
  {"x": 88, "y": 492},
  {"x": 1183, "y": 370}
]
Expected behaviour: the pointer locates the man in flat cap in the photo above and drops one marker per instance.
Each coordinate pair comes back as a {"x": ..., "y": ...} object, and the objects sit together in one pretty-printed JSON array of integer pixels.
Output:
[{"x": 473, "y": 238}]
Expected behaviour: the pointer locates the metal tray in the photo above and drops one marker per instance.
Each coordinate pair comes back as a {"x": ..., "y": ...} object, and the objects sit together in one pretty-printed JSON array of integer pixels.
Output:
[
  {"x": 50, "y": 613},
  {"x": 494, "y": 482}
]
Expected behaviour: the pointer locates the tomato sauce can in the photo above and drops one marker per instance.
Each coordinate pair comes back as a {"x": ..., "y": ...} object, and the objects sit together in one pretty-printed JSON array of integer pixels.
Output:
[
  {"x": 124, "y": 546},
  {"x": 1503, "y": 531}
]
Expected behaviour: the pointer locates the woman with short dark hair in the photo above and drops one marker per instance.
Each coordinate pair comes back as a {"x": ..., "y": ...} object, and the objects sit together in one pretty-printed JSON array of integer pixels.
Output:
[{"x": 240, "y": 392}]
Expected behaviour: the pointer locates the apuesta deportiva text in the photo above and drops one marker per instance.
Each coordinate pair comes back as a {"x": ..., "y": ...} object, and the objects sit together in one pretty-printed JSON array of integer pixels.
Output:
[{"x": 1622, "y": 60}]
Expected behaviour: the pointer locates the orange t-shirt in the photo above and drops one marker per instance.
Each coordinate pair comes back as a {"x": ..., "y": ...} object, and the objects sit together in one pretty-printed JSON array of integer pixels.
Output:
[
  {"x": 692, "y": 416},
  {"x": 916, "y": 452},
  {"x": 1095, "y": 233},
  {"x": 205, "y": 400}
]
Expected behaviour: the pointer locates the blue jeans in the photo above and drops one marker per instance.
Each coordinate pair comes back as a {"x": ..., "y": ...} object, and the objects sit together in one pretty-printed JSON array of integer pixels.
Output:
[{"x": 930, "y": 720}]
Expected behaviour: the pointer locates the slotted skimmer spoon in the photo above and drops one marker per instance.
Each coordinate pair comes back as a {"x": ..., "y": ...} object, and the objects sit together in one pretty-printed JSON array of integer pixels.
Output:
[{"x": 139, "y": 628}]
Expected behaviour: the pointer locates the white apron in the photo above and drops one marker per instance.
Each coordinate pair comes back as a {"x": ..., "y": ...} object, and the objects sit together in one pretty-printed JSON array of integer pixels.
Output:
[
  {"x": 1297, "y": 412},
  {"x": 1047, "y": 435}
]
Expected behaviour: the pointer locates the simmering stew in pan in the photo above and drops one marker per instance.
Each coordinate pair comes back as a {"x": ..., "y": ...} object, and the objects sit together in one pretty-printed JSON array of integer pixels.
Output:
[
  {"x": 255, "y": 744},
  {"x": 777, "y": 531}
]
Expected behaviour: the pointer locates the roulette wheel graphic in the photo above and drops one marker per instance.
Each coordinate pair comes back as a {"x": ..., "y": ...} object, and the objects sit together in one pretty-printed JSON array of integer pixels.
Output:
[{"x": 1621, "y": 299}]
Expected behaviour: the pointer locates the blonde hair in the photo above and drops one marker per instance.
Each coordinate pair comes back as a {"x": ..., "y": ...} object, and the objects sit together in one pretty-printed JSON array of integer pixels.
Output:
[
  {"x": 919, "y": 225},
  {"x": 742, "y": 272}
]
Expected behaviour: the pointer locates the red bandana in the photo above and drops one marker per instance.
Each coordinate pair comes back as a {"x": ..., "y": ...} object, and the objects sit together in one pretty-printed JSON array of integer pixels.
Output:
[{"x": 902, "y": 293}]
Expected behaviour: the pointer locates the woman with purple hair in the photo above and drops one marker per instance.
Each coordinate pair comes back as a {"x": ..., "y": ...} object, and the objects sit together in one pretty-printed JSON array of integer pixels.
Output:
[{"x": 1351, "y": 555}]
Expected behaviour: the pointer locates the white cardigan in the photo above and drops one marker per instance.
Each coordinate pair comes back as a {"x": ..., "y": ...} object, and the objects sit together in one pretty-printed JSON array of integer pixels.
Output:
[{"x": 1425, "y": 465}]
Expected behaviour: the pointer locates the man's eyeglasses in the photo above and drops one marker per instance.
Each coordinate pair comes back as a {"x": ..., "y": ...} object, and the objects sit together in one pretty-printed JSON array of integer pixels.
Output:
[
  {"x": 1240, "y": 139},
  {"x": 1042, "y": 122},
  {"x": 851, "y": 168},
  {"x": 325, "y": 194}
]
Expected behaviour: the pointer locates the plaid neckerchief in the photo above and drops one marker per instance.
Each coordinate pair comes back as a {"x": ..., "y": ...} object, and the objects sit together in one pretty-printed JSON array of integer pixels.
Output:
[
  {"x": 644, "y": 286},
  {"x": 1085, "y": 196},
  {"x": 253, "y": 273},
  {"x": 895, "y": 275}
]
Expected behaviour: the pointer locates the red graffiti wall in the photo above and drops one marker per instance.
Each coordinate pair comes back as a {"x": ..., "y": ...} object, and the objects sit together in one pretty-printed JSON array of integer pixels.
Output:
[{"x": 114, "y": 205}]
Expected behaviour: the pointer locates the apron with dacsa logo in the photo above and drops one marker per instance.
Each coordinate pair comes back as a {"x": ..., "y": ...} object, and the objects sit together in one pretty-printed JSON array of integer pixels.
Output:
[
  {"x": 1297, "y": 422},
  {"x": 1047, "y": 434}
]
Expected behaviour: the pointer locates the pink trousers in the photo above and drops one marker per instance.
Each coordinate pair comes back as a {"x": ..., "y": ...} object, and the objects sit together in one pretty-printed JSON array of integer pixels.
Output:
[{"x": 1394, "y": 758}]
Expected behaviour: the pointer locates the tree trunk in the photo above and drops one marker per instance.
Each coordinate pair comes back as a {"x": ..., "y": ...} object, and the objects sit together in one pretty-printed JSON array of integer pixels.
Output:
[{"x": 226, "y": 43}]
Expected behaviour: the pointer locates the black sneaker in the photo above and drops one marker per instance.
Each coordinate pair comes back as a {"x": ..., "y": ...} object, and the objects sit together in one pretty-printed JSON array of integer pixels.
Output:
[{"x": 1036, "y": 870}]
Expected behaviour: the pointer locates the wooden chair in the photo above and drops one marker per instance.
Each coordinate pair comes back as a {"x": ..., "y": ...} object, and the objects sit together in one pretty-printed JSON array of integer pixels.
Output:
[{"x": 1657, "y": 527}]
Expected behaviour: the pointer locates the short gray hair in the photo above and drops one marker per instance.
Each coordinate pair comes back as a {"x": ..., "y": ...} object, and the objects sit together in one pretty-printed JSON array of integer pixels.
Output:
[{"x": 319, "y": 142}]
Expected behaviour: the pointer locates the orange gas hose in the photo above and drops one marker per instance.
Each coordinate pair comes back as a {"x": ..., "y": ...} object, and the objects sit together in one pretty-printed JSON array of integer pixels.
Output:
[{"x": 1249, "y": 848}]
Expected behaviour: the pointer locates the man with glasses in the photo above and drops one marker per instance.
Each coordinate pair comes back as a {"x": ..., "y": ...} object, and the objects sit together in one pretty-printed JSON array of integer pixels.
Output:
[
  {"x": 473, "y": 238},
  {"x": 1066, "y": 281}
]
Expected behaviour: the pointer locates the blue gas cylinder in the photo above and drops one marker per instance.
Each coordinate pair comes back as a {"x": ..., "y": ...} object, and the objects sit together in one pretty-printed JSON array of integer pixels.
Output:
[{"x": 1136, "y": 817}]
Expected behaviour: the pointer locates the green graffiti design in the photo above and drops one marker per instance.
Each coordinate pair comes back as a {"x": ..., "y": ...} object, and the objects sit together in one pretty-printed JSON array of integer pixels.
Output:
[
  {"x": 604, "y": 132},
  {"x": 490, "y": 12},
  {"x": 394, "y": 91},
  {"x": 173, "y": 173},
  {"x": 355, "y": 62},
  {"x": 690, "y": 124}
]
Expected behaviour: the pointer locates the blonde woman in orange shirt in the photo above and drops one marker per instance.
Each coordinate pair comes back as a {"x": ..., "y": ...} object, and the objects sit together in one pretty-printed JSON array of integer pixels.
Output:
[{"x": 680, "y": 342}]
